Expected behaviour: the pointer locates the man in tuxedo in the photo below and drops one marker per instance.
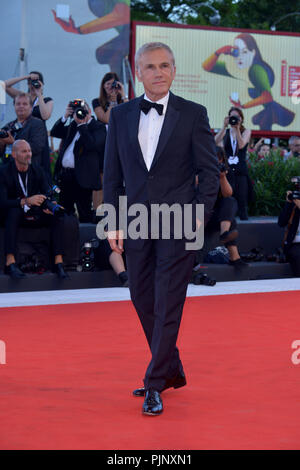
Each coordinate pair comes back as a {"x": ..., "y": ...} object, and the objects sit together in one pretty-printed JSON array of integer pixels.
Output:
[
  {"x": 26, "y": 127},
  {"x": 156, "y": 144},
  {"x": 80, "y": 160}
]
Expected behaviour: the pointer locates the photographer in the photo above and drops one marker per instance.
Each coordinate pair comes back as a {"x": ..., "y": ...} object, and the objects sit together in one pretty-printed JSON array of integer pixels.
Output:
[
  {"x": 80, "y": 159},
  {"x": 42, "y": 107},
  {"x": 294, "y": 146},
  {"x": 25, "y": 127},
  {"x": 235, "y": 141},
  {"x": 223, "y": 216},
  {"x": 111, "y": 94},
  {"x": 24, "y": 202},
  {"x": 290, "y": 218}
]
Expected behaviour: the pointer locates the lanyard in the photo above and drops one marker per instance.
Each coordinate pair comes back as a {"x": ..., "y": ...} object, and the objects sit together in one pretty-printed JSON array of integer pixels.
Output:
[
  {"x": 24, "y": 188},
  {"x": 233, "y": 144}
]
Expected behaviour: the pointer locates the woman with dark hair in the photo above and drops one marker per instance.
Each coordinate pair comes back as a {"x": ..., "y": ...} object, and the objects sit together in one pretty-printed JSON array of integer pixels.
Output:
[
  {"x": 42, "y": 107},
  {"x": 247, "y": 55},
  {"x": 235, "y": 142},
  {"x": 111, "y": 94}
]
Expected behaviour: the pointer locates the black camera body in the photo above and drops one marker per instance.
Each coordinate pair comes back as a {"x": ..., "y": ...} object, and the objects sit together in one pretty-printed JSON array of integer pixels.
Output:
[
  {"x": 234, "y": 120},
  {"x": 48, "y": 203},
  {"x": 79, "y": 109},
  {"x": 295, "y": 194},
  {"x": 12, "y": 128},
  {"x": 35, "y": 83},
  {"x": 115, "y": 85},
  {"x": 3, "y": 134}
]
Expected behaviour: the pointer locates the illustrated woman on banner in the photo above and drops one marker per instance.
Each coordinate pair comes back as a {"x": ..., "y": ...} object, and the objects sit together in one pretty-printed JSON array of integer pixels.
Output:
[
  {"x": 111, "y": 14},
  {"x": 247, "y": 56}
]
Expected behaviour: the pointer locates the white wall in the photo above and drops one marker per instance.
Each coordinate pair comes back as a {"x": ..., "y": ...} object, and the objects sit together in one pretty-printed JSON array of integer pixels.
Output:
[{"x": 67, "y": 61}]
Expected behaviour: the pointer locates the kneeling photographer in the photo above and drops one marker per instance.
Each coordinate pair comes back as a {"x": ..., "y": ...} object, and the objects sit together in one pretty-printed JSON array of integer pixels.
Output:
[
  {"x": 223, "y": 216},
  {"x": 78, "y": 167},
  {"x": 290, "y": 218},
  {"x": 26, "y": 200}
]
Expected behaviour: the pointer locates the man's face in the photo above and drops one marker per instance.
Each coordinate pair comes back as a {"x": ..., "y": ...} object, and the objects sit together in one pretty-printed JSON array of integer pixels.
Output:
[
  {"x": 156, "y": 71},
  {"x": 23, "y": 108},
  {"x": 295, "y": 146},
  {"x": 22, "y": 154}
]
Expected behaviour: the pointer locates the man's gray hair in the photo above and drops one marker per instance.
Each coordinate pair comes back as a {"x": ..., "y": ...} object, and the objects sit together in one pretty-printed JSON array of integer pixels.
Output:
[
  {"x": 293, "y": 138},
  {"x": 152, "y": 46}
]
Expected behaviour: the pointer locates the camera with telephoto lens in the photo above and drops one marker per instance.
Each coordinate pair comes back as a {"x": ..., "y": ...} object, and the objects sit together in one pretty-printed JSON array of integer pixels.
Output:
[
  {"x": 295, "y": 194},
  {"x": 115, "y": 85},
  {"x": 13, "y": 128},
  {"x": 35, "y": 83},
  {"x": 234, "y": 120},
  {"x": 79, "y": 108},
  {"x": 48, "y": 203}
]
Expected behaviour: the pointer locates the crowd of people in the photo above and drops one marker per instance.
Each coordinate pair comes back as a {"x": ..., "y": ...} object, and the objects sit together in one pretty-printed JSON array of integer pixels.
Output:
[{"x": 26, "y": 178}]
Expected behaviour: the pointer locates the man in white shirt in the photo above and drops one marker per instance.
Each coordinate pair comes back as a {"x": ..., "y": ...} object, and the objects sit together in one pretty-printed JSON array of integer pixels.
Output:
[
  {"x": 155, "y": 145},
  {"x": 80, "y": 160}
]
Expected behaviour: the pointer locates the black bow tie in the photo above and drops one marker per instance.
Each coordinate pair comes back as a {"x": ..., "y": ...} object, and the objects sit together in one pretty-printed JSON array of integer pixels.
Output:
[{"x": 146, "y": 105}]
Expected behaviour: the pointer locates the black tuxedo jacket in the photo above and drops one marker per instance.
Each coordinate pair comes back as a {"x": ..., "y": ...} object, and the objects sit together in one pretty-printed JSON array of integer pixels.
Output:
[
  {"x": 10, "y": 189},
  {"x": 35, "y": 133},
  {"x": 186, "y": 147},
  {"x": 88, "y": 150}
]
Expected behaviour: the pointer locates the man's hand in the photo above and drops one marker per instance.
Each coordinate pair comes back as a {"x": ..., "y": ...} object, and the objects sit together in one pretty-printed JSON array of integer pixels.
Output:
[
  {"x": 8, "y": 140},
  {"x": 36, "y": 200},
  {"x": 68, "y": 112},
  {"x": 115, "y": 239}
]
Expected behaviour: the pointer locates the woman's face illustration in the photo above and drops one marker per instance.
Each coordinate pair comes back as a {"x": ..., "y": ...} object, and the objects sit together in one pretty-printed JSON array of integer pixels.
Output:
[{"x": 245, "y": 57}]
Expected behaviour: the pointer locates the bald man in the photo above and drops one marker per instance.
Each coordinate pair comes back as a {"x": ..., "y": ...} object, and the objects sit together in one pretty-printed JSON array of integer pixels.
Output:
[{"x": 23, "y": 189}]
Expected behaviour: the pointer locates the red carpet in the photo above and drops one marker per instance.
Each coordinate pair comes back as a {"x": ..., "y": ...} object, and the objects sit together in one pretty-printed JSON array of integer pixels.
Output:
[{"x": 70, "y": 371}]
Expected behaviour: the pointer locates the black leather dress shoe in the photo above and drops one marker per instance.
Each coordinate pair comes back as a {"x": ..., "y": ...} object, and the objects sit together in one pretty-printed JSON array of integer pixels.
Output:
[
  {"x": 61, "y": 273},
  {"x": 177, "y": 381},
  {"x": 153, "y": 404},
  {"x": 14, "y": 272}
]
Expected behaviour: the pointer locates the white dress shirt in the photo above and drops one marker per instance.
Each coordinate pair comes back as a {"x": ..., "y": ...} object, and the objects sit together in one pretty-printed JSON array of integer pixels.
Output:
[
  {"x": 68, "y": 160},
  {"x": 150, "y": 126}
]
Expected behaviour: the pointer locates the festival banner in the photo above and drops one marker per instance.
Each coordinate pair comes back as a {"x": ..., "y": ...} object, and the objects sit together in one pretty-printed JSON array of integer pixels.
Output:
[{"x": 259, "y": 72}]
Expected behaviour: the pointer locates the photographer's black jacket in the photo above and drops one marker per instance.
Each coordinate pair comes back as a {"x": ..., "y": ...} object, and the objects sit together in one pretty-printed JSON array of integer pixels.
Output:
[
  {"x": 10, "y": 190},
  {"x": 35, "y": 133},
  {"x": 284, "y": 218},
  {"x": 88, "y": 151}
]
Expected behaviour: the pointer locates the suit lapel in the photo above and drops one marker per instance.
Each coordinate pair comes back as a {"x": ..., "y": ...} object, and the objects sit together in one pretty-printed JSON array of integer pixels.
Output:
[
  {"x": 170, "y": 121},
  {"x": 133, "y": 119}
]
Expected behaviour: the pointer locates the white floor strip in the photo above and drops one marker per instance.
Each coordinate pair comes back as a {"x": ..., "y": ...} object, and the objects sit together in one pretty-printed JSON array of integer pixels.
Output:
[{"x": 19, "y": 299}]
